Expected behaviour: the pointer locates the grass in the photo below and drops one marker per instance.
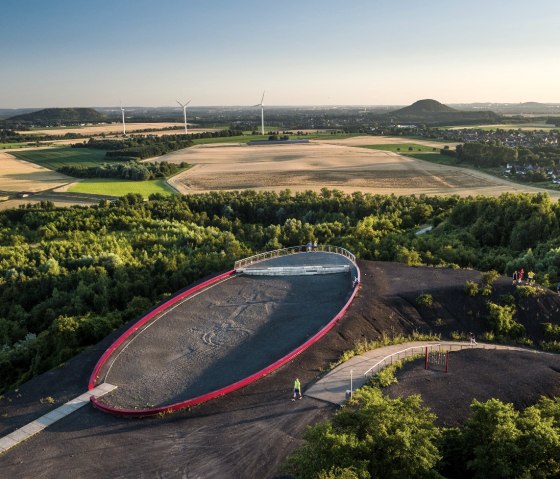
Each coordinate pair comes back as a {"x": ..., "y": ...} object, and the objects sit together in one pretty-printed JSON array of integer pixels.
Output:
[
  {"x": 54, "y": 158},
  {"x": 7, "y": 146},
  {"x": 102, "y": 186}
]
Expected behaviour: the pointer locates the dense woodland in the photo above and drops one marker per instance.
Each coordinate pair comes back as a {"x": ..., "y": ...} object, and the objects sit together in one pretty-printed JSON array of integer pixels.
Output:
[
  {"x": 69, "y": 276},
  {"x": 375, "y": 436}
]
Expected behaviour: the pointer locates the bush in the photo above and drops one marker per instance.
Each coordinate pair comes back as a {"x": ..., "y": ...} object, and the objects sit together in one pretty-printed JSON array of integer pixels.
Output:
[
  {"x": 528, "y": 291},
  {"x": 471, "y": 288},
  {"x": 425, "y": 300},
  {"x": 501, "y": 320},
  {"x": 490, "y": 277}
]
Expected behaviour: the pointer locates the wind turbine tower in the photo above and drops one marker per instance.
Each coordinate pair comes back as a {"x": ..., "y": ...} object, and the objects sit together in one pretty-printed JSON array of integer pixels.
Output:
[
  {"x": 184, "y": 107},
  {"x": 261, "y": 104},
  {"x": 123, "y": 123}
]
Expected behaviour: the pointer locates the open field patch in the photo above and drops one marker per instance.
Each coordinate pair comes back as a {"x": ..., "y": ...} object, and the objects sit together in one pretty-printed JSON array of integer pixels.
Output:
[
  {"x": 325, "y": 164},
  {"x": 21, "y": 176},
  {"x": 107, "y": 129},
  {"x": 54, "y": 158},
  {"x": 102, "y": 186}
]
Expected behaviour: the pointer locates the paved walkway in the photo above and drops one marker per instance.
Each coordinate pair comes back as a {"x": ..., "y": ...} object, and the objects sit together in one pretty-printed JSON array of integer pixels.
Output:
[
  {"x": 25, "y": 432},
  {"x": 333, "y": 386}
]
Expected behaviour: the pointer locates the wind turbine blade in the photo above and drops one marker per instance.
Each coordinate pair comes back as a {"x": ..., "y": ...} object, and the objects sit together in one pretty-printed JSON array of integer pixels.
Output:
[
  {"x": 262, "y": 99},
  {"x": 188, "y": 102},
  {"x": 180, "y": 104}
]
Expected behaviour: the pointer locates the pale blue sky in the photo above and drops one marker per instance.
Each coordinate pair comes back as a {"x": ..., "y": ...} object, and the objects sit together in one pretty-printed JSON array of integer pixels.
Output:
[{"x": 306, "y": 52}]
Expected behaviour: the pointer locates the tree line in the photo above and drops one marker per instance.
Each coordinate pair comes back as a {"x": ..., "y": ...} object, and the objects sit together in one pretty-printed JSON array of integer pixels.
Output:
[{"x": 132, "y": 170}]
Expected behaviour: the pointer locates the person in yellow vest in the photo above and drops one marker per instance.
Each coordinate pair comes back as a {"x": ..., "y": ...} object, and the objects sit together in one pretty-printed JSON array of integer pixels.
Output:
[
  {"x": 297, "y": 389},
  {"x": 530, "y": 277}
]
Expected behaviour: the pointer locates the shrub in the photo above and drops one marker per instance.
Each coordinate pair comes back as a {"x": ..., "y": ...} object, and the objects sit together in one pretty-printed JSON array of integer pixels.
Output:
[
  {"x": 501, "y": 320},
  {"x": 425, "y": 299},
  {"x": 471, "y": 288},
  {"x": 551, "y": 330},
  {"x": 486, "y": 290},
  {"x": 490, "y": 277},
  {"x": 528, "y": 291}
]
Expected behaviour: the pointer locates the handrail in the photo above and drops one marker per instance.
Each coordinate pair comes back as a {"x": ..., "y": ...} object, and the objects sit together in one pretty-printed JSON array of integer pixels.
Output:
[
  {"x": 443, "y": 346},
  {"x": 291, "y": 250}
]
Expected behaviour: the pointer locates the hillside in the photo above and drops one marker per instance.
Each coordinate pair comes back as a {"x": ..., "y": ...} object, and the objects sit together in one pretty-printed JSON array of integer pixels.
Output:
[
  {"x": 198, "y": 442},
  {"x": 57, "y": 117},
  {"x": 433, "y": 112}
]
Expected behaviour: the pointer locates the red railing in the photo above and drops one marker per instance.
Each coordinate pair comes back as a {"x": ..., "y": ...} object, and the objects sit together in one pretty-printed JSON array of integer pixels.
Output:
[{"x": 213, "y": 394}]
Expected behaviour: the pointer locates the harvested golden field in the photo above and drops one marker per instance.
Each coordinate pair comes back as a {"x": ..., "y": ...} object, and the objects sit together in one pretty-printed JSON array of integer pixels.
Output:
[
  {"x": 22, "y": 176},
  {"x": 117, "y": 128},
  {"x": 329, "y": 164}
]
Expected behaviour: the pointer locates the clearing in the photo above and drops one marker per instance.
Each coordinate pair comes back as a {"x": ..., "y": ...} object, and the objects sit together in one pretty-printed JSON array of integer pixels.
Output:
[
  {"x": 112, "y": 187},
  {"x": 54, "y": 158},
  {"x": 332, "y": 164}
]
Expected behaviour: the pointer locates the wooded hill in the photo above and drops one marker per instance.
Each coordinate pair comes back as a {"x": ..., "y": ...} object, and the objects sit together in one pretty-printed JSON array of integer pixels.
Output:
[
  {"x": 433, "y": 112},
  {"x": 56, "y": 117}
]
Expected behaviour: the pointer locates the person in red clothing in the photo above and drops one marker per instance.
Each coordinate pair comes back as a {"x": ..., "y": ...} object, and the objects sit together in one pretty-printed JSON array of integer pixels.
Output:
[{"x": 520, "y": 276}]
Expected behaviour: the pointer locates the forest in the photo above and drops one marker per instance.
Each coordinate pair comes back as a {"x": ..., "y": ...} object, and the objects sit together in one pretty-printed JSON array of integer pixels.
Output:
[{"x": 70, "y": 276}]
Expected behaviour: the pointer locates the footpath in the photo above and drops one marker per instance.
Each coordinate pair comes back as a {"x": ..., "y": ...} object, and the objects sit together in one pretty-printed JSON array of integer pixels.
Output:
[
  {"x": 34, "y": 427},
  {"x": 336, "y": 385}
]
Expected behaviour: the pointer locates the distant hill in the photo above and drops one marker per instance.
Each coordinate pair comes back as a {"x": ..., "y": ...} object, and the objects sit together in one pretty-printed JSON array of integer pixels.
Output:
[
  {"x": 433, "y": 112},
  {"x": 57, "y": 117}
]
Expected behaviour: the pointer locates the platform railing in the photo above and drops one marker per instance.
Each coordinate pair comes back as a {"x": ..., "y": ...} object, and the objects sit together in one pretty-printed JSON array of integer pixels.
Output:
[
  {"x": 243, "y": 263},
  {"x": 441, "y": 347}
]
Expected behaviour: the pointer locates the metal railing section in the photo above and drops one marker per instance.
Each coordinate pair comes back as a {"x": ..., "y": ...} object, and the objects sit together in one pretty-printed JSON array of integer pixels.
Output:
[
  {"x": 242, "y": 263},
  {"x": 415, "y": 350}
]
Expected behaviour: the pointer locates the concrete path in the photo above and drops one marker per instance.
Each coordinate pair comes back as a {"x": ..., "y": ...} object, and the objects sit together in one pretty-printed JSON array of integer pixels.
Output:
[
  {"x": 333, "y": 386},
  {"x": 25, "y": 432}
]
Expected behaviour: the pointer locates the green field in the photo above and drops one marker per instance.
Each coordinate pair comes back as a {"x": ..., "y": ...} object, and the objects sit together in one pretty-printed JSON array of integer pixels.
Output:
[
  {"x": 102, "y": 186},
  {"x": 404, "y": 148},
  {"x": 54, "y": 158},
  {"x": 7, "y": 146}
]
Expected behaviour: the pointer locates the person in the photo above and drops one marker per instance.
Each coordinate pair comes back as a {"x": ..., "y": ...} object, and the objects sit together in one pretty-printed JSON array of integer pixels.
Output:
[
  {"x": 297, "y": 389},
  {"x": 530, "y": 277},
  {"x": 514, "y": 277},
  {"x": 315, "y": 245},
  {"x": 558, "y": 288},
  {"x": 472, "y": 339},
  {"x": 354, "y": 281},
  {"x": 520, "y": 276},
  {"x": 309, "y": 246}
]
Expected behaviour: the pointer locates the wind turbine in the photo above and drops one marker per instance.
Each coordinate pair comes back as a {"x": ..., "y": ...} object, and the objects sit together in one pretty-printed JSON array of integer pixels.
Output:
[
  {"x": 262, "y": 112},
  {"x": 123, "y": 123},
  {"x": 184, "y": 107}
]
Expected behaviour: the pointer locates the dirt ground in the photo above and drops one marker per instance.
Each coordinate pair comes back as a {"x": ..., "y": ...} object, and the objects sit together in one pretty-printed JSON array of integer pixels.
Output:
[
  {"x": 328, "y": 163},
  {"x": 519, "y": 378},
  {"x": 249, "y": 433}
]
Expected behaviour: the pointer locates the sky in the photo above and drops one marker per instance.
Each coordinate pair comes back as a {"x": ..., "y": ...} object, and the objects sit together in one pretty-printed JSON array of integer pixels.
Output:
[{"x": 79, "y": 53}]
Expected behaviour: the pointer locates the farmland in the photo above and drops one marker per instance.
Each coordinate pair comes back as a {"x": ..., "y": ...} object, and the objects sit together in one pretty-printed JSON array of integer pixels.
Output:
[
  {"x": 331, "y": 164},
  {"x": 54, "y": 158},
  {"x": 99, "y": 186}
]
